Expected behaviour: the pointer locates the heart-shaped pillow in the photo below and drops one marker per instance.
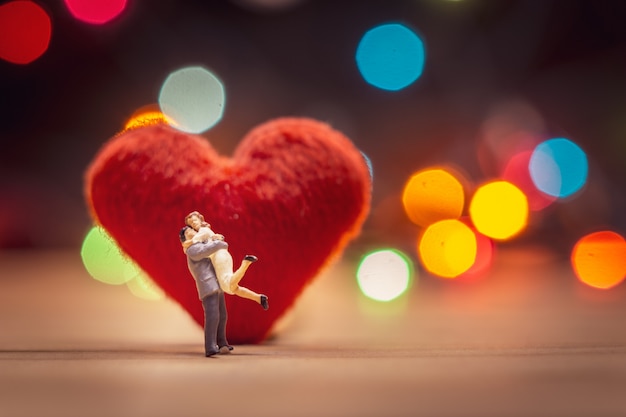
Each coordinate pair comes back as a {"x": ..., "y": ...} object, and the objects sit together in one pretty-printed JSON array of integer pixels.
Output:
[{"x": 294, "y": 194}]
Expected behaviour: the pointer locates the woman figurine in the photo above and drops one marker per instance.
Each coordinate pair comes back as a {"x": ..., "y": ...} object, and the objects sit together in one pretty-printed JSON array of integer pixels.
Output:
[{"x": 200, "y": 231}]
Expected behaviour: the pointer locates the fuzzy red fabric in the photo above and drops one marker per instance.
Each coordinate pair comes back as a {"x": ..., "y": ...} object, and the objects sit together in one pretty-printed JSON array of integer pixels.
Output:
[{"x": 294, "y": 194}]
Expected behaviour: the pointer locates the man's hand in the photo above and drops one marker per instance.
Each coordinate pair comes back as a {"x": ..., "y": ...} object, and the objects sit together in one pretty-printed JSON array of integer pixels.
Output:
[{"x": 217, "y": 237}]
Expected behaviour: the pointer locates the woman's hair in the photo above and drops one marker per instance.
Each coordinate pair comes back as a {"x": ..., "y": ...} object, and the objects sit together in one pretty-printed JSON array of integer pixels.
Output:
[
  {"x": 200, "y": 216},
  {"x": 194, "y": 213}
]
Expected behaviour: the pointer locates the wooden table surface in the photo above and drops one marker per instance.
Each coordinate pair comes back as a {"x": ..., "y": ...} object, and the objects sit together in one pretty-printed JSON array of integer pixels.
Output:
[{"x": 526, "y": 341}]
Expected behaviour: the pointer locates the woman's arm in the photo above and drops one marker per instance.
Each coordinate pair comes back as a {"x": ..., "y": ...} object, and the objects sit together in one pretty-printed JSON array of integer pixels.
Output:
[
  {"x": 204, "y": 234},
  {"x": 197, "y": 251}
]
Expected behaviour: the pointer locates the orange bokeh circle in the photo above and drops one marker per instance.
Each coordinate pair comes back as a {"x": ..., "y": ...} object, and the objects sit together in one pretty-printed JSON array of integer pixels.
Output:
[{"x": 599, "y": 259}]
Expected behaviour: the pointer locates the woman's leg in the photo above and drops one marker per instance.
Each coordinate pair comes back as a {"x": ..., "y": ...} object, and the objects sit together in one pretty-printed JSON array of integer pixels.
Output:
[
  {"x": 229, "y": 281},
  {"x": 244, "y": 292},
  {"x": 240, "y": 272},
  {"x": 223, "y": 264}
]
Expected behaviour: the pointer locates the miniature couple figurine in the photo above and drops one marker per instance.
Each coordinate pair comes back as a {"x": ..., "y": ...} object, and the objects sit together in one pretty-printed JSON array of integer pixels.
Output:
[{"x": 211, "y": 265}]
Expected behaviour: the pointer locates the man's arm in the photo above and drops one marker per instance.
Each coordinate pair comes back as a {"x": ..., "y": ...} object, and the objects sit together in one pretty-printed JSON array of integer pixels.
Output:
[{"x": 198, "y": 251}]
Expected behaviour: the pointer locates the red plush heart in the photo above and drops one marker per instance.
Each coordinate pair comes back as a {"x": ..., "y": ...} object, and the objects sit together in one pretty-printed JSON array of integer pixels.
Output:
[{"x": 294, "y": 193}]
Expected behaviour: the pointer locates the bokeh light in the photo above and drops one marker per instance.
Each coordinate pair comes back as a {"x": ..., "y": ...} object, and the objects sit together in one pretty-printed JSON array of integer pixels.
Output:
[
  {"x": 96, "y": 12},
  {"x": 193, "y": 98},
  {"x": 385, "y": 274},
  {"x": 517, "y": 172},
  {"x": 447, "y": 248},
  {"x": 141, "y": 286},
  {"x": 370, "y": 167},
  {"x": 599, "y": 259},
  {"x": 432, "y": 195},
  {"x": 103, "y": 259},
  {"x": 390, "y": 57},
  {"x": 485, "y": 253},
  {"x": 147, "y": 118},
  {"x": 499, "y": 210},
  {"x": 25, "y": 31},
  {"x": 558, "y": 167}
]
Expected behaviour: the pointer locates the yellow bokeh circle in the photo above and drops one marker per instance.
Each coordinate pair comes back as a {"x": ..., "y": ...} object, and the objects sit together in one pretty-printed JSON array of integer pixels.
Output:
[
  {"x": 499, "y": 210},
  {"x": 432, "y": 195},
  {"x": 447, "y": 248}
]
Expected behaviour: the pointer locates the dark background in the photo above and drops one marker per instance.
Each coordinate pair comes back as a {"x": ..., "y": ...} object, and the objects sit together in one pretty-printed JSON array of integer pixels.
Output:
[{"x": 565, "y": 59}]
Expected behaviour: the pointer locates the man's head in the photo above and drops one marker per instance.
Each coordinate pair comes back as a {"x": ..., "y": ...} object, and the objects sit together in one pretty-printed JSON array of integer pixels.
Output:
[
  {"x": 182, "y": 234},
  {"x": 186, "y": 233}
]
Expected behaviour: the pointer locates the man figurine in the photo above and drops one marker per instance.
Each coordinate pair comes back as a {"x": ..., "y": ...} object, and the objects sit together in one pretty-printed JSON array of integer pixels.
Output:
[
  {"x": 209, "y": 291},
  {"x": 222, "y": 260}
]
